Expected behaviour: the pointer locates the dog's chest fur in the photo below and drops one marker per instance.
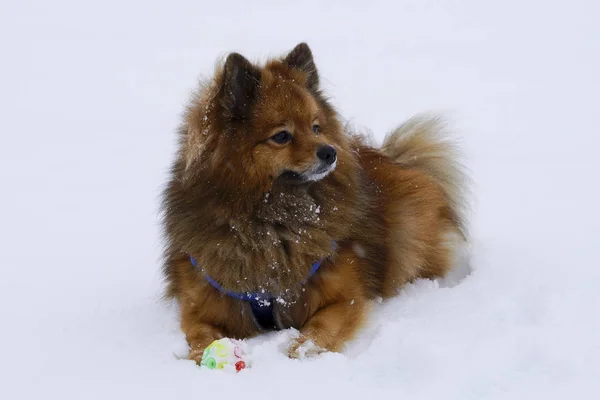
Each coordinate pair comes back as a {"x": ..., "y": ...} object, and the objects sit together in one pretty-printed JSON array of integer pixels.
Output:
[
  {"x": 290, "y": 213},
  {"x": 273, "y": 248}
]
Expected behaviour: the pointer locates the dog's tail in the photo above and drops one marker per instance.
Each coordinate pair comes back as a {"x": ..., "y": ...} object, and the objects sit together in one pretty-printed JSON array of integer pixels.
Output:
[{"x": 422, "y": 143}]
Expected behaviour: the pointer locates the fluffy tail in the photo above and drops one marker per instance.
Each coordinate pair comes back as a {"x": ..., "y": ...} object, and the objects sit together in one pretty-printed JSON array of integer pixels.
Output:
[{"x": 421, "y": 143}]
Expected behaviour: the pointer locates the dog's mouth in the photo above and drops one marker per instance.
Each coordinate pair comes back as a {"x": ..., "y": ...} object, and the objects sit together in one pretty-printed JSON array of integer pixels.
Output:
[
  {"x": 312, "y": 175},
  {"x": 292, "y": 177}
]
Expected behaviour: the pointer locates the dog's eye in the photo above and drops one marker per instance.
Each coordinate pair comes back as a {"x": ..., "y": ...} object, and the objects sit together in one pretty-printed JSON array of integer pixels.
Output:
[
  {"x": 282, "y": 137},
  {"x": 316, "y": 129}
]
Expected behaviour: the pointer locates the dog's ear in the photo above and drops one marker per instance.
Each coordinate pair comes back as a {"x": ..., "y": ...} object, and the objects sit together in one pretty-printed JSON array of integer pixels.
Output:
[
  {"x": 240, "y": 87},
  {"x": 301, "y": 58}
]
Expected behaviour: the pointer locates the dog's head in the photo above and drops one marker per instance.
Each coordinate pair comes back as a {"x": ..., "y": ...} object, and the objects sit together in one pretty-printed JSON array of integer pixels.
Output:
[{"x": 265, "y": 124}]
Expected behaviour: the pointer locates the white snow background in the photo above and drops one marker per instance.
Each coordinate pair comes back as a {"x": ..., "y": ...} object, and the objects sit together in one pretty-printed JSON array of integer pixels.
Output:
[{"x": 90, "y": 96}]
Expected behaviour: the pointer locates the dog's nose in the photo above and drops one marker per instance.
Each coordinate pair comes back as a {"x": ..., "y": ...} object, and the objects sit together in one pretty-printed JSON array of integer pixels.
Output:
[{"x": 327, "y": 154}]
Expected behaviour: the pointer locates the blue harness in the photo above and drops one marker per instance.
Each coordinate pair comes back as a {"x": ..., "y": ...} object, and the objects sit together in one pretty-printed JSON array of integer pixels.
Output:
[{"x": 261, "y": 303}]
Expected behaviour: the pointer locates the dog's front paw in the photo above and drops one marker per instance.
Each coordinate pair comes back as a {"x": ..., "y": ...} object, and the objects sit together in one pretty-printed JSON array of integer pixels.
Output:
[
  {"x": 197, "y": 351},
  {"x": 303, "y": 347},
  {"x": 196, "y": 355}
]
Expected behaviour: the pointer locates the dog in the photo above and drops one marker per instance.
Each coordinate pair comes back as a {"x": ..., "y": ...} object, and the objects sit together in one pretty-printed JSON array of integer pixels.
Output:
[{"x": 277, "y": 216}]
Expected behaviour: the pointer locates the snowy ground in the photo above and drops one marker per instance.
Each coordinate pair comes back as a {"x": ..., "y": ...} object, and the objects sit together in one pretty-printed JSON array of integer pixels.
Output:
[{"x": 89, "y": 99}]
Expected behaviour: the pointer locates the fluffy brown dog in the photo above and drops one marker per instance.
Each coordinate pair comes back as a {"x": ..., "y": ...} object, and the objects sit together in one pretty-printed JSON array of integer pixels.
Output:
[{"x": 276, "y": 217}]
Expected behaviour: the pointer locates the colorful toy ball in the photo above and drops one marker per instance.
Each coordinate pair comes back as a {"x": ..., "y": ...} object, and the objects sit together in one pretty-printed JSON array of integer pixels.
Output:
[{"x": 227, "y": 354}]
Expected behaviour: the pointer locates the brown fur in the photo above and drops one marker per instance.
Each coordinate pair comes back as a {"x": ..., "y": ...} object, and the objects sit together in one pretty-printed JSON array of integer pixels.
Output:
[{"x": 229, "y": 205}]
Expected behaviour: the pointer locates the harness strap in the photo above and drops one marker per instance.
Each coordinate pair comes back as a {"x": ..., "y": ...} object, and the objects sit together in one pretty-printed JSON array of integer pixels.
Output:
[{"x": 261, "y": 303}]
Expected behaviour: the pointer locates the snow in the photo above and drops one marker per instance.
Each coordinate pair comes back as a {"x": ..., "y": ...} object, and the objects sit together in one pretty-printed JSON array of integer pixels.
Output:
[{"x": 90, "y": 98}]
